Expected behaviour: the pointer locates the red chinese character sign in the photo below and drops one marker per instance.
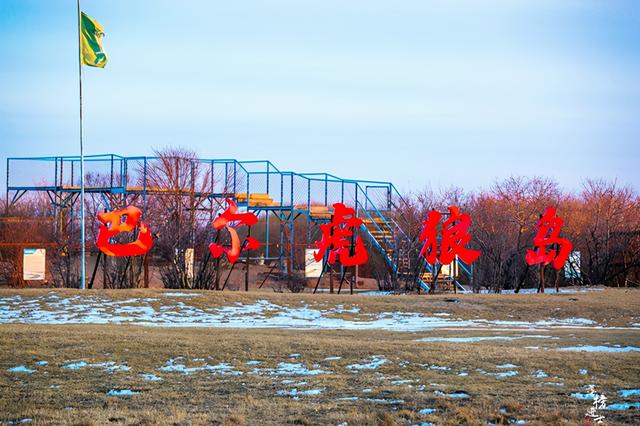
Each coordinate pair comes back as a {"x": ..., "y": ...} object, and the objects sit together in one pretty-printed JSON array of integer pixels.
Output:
[
  {"x": 453, "y": 240},
  {"x": 229, "y": 219},
  {"x": 548, "y": 235},
  {"x": 337, "y": 239},
  {"x": 119, "y": 221}
]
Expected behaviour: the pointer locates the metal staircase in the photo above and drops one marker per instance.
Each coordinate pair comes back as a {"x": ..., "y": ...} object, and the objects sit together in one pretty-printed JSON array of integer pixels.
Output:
[
  {"x": 388, "y": 238},
  {"x": 401, "y": 252}
]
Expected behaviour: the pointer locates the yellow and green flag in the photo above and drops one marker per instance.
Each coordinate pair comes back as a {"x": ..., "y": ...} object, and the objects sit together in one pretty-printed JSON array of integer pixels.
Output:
[{"x": 91, "y": 43}]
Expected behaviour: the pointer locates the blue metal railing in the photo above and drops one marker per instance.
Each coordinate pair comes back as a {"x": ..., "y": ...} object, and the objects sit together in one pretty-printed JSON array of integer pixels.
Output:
[{"x": 373, "y": 200}]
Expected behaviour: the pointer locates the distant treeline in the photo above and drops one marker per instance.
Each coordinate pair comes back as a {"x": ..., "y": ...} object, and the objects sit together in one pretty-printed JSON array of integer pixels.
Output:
[{"x": 602, "y": 221}]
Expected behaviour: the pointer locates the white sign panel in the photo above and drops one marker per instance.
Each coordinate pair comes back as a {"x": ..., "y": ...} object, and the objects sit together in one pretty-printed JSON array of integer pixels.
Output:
[
  {"x": 188, "y": 262},
  {"x": 33, "y": 264},
  {"x": 450, "y": 270},
  {"x": 312, "y": 269}
]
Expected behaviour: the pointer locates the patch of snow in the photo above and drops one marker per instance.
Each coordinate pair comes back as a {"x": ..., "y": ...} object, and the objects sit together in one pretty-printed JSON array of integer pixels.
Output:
[
  {"x": 626, "y": 393},
  {"x": 458, "y": 394},
  {"x": 294, "y": 356},
  {"x": 42, "y": 363},
  {"x": 583, "y": 371},
  {"x": 21, "y": 421},
  {"x": 590, "y": 348},
  {"x": 223, "y": 369},
  {"x": 293, "y": 382},
  {"x": 121, "y": 392},
  {"x": 293, "y": 369},
  {"x": 109, "y": 367},
  {"x": 181, "y": 294},
  {"x": 386, "y": 401},
  {"x": 427, "y": 411},
  {"x": 374, "y": 362},
  {"x": 564, "y": 290},
  {"x": 333, "y": 358},
  {"x": 150, "y": 377},
  {"x": 261, "y": 314},
  {"x": 292, "y": 392},
  {"x": 582, "y": 396},
  {"x": 539, "y": 374},
  {"x": 20, "y": 369},
  {"x": 340, "y": 309},
  {"x": 507, "y": 373},
  {"x": 565, "y": 322},
  {"x": 289, "y": 369},
  {"x": 75, "y": 365},
  {"x": 623, "y": 406},
  {"x": 438, "y": 367},
  {"x": 348, "y": 398},
  {"x": 295, "y": 392},
  {"x": 505, "y": 366},
  {"x": 498, "y": 374},
  {"x": 250, "y": 363},
  {"x": 482, "y": 338},
  {"x": 174, "y": 366},
  {"x": 401, "y": 382}
]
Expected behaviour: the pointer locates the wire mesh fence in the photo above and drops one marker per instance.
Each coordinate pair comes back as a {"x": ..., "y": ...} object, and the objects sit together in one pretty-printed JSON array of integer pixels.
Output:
[{"x": 180, "y": 197}]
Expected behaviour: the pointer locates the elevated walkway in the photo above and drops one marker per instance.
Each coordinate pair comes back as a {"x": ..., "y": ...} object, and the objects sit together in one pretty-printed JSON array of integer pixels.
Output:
[{"x": 258, "y": 186}]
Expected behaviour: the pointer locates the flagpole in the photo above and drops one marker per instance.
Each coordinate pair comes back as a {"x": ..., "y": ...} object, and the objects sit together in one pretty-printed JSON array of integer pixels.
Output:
[{"x": 82, "y": 228}]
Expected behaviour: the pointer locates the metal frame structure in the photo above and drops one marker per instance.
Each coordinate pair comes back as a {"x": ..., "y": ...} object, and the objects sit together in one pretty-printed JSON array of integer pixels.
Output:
[{"x": 257, "y": 186}]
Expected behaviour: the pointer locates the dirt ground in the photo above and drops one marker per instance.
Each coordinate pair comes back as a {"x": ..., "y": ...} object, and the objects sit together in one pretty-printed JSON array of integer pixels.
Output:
[{"x": 82, "y": 374}]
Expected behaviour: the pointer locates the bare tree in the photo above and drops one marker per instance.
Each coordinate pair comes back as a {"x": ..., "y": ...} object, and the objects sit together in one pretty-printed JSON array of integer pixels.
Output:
[
  {"x": 503, "y": 227},
  {"x": 180, "y": 211},
  {"x": 608, "y": 232}
]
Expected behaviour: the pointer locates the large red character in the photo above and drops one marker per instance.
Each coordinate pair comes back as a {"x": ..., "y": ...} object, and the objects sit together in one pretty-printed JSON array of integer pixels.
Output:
[
  {"x": 225, "y": 220},
  {"x": 335, "y": 238},
  {"x": 112, "y": 224},
  {"x": 548, "y": 234},
  {"x": 453, "y": 241}
]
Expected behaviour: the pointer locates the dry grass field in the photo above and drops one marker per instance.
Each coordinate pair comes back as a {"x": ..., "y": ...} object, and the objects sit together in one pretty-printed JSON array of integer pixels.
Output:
[{"x": 444, "y": 359}]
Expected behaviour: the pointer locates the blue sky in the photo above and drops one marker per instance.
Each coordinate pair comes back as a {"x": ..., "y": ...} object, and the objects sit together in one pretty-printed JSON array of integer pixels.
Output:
[{"x": 417, "y": 92}]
